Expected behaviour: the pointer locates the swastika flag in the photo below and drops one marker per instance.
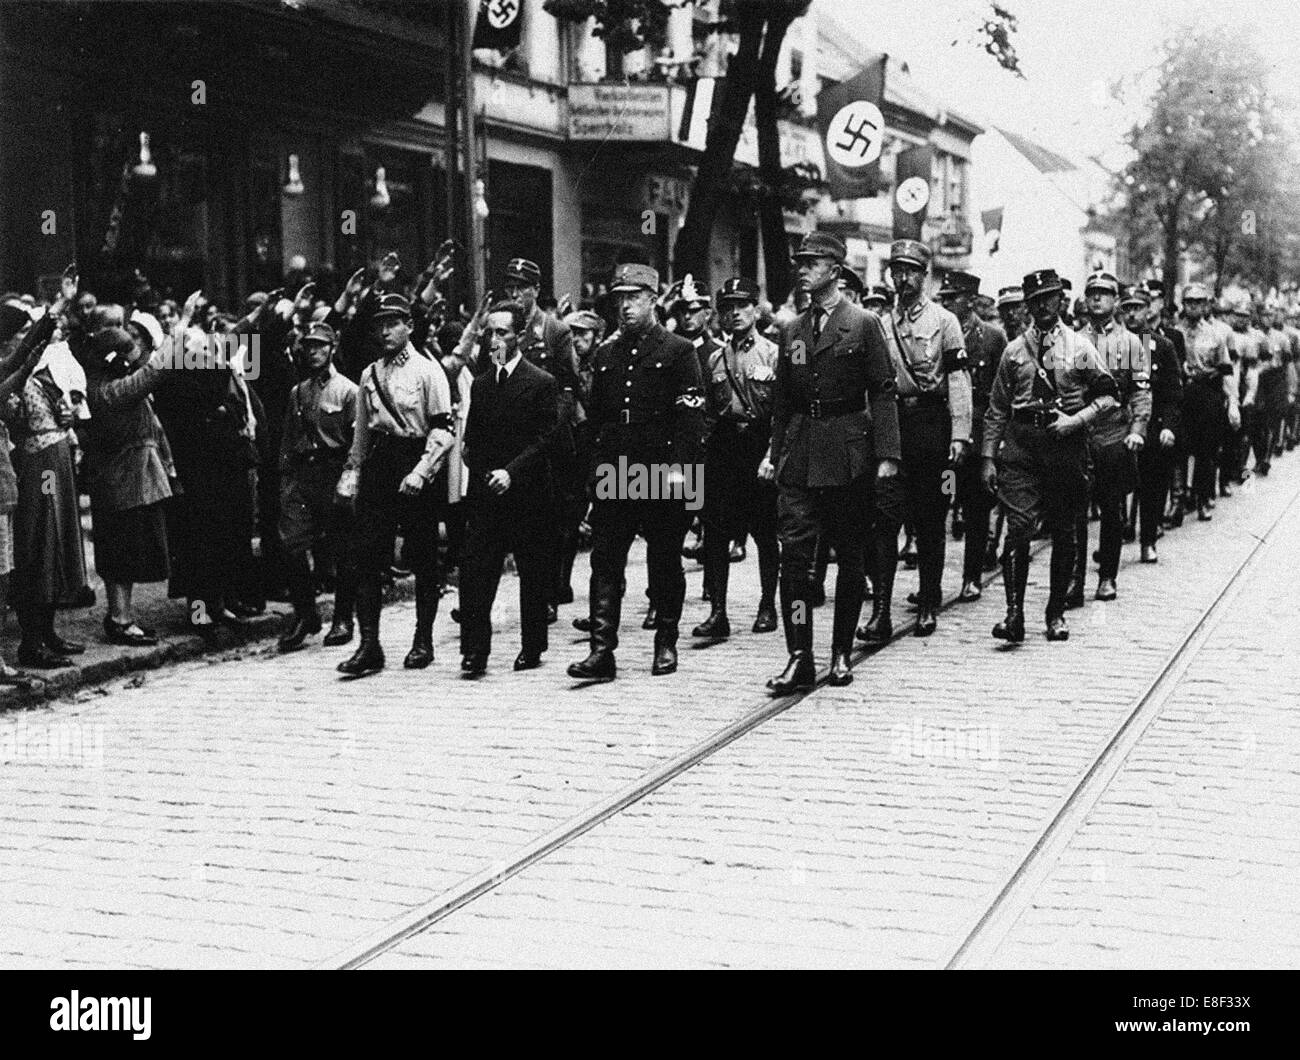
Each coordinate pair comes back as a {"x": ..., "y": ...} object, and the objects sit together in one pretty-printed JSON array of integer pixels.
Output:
[
  {"x": 499, "y": 25},
  {"x": 853, "y": 131}
]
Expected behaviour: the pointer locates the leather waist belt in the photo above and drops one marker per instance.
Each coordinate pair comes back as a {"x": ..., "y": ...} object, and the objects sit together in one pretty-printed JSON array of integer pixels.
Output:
[
  {"x": 628, "y": 416},
  {"x": 923, "y": 401},
  {"x": 819, "y": 409}
]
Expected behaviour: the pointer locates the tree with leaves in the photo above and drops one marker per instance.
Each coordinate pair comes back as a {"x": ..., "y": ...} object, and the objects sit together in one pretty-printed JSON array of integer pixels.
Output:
[{"x": 1207, "y": 159}]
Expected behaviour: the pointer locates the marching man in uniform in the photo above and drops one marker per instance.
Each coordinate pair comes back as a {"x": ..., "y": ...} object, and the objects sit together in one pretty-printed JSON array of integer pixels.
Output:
[
  {"x": 827, "y": 451},
  {"x": 1050, "y": 385},
  {"x": 934, "y": 419},
  {"x": 739, "y": 414},
  {"x": 647, "y": 418},
  {"x": 401, "y": 438}
]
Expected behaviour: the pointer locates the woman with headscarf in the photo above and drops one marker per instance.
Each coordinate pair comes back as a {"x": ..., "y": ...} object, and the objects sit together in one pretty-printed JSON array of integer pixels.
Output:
[
  {"x": 128, "y": 480},
  {"x": 48, "y": 563}
]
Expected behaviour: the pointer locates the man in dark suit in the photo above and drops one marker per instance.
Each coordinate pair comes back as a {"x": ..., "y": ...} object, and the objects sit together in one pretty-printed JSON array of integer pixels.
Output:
[
  {"x": 647, "y": 418},
  {"x": 513, "y": 414},
  {"x": 827, "y": 451}
]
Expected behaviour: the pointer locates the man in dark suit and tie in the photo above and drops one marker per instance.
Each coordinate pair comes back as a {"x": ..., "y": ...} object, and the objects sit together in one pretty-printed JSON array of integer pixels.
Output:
[{"x": 512, "y": 418}]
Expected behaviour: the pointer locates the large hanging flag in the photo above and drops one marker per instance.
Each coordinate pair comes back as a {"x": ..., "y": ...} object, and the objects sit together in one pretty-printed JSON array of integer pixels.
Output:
[
  {"x": 500, "y": 24},
  {"x": 853, "y": 131},
  {"x": 911, "y": 192}
]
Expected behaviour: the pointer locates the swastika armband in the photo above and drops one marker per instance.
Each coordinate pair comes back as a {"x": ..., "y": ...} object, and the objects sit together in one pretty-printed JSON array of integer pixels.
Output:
[
  {"x": 691, "y": 399},
  {"x": 443, "y": 421},
  {"x": 1102, "y": 386},
  {"x": 955, "y": 360}
]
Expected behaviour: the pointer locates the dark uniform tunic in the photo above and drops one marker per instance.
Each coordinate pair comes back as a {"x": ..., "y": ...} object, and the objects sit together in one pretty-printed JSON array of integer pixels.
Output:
[
  {"x": 1207, "y": 365},
  {"x": 984, "y": 345},
  {"x": 825, "y": 445},
  {"x": 1155, "y": 462},
  {"x": 646, "y": 415}
]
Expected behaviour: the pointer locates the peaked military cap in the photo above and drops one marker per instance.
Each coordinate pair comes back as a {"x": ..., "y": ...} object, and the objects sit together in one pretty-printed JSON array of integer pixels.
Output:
[
  {"x": 1101, "y": 281},
  {"x": 850, "y": 280},
  {"x": 685, "y": 294},
  {"x": 738, "y": 289},
  {"x": 1012, "y": 295},
  {"x": 524, "y": 270},
  {"x": 910, "y": 251},
  {"x": 958, "y": 282},
  {"x": 319, "y": 332},
  {"x": 1196, "y": 292},
  {"x": 879, "y": 295},
  {"x": 821, "y": 245},
  {"x": 393, "y": 305},
  {"x": 1134, "y": 294},
  {"x": 1044, "y": 281},
  {"x": 633, "y": 277}
]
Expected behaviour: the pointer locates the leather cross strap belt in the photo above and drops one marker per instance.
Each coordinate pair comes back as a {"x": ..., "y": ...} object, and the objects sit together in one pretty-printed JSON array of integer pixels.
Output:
[{"x": 818, "y": 409}]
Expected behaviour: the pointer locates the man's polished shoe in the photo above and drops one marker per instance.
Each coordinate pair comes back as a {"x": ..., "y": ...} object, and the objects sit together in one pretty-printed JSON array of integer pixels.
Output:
[
  {"x": 340, "y": 633},
  {"x": 665, "y": 661},
  {"x": 841, "y": 670},
  {"x": 877, "y": 630},
  {"x": 552, "y": 614},
  {"x": 716, "y": 627},
  {"x": 420, "y": 655},
  {"x": 927, "y": 621},
  {"x": 737, "y": 552},
  {"x": 41, "y": 658},
  {"x": 1203, "y": 514},
  {"x": 914, "y": 599},
  {"x": 473, "y": 665},
  {"x": 1074, "y": 595},
  {"x": 799, "y": 672},
  {"x": 1012, "y": 627},
  {"x": 1225, "y": 490},
  {"x": 970, "y": 592},
  {"x": 582, "y": 623},
  {"x": 1106, "y": 589},
  {"x": 651, "y": 619},
  {"x": 527, "y": 661},
  {"x": 1056, "y": 628},
  {"x": 64, "y": 647},
  {"x": 765, "y": 620},
  {"x": 300, "y": 628},
  {"x": 1149, "y": 554},
  {"x": 598, "y": 666},
  {"x": 367, "y": 659}
]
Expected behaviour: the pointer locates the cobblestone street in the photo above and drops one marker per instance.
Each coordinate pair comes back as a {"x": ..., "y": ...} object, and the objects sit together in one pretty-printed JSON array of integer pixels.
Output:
[{"x": 261, "y": 812}]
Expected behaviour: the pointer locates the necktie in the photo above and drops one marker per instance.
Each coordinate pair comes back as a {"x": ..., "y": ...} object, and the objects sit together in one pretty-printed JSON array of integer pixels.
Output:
[
  {"x": 819, "y": 318},
  {"x": 502, "y": 376}
]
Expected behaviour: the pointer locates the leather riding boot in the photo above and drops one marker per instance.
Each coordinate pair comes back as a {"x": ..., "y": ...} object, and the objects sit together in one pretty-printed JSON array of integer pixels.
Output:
[
  {"x": 880, "y": 626},
  {"x": 606, "y": 603},
  {"x": 717, "y": 568},
  {"x": 345, "y": 597},
  {"x": 665, "y": 658},
  {"x": 1015, "y": 573},
  {"x": 1061, "y": 567},
  {"x": 841, "y": 672},
  {"x": 800, "y": 670},
  {"x": 427, "y": 592},
  {"x": 1076, "y": 574},
  {"x": 369, "y": 656},
  {"x": 306, "y": 619}
]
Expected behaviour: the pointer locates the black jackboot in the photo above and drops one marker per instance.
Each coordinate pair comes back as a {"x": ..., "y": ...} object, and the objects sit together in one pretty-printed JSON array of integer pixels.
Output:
[
  {"x": 369, "y": 656},
  {"x": 800, "y": 670},
  {"x": 306, "y": 619},
  {"x": 427, "y": 592},
  {"x": 880, "y": 626},
  {"x": 606, "y": 603},
  {"x": 665, "y": 660},
  {"x": 345, "y": 597},
  {"x": 1064, "y": 564},
  {"x": 1015, "y": 575}
]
